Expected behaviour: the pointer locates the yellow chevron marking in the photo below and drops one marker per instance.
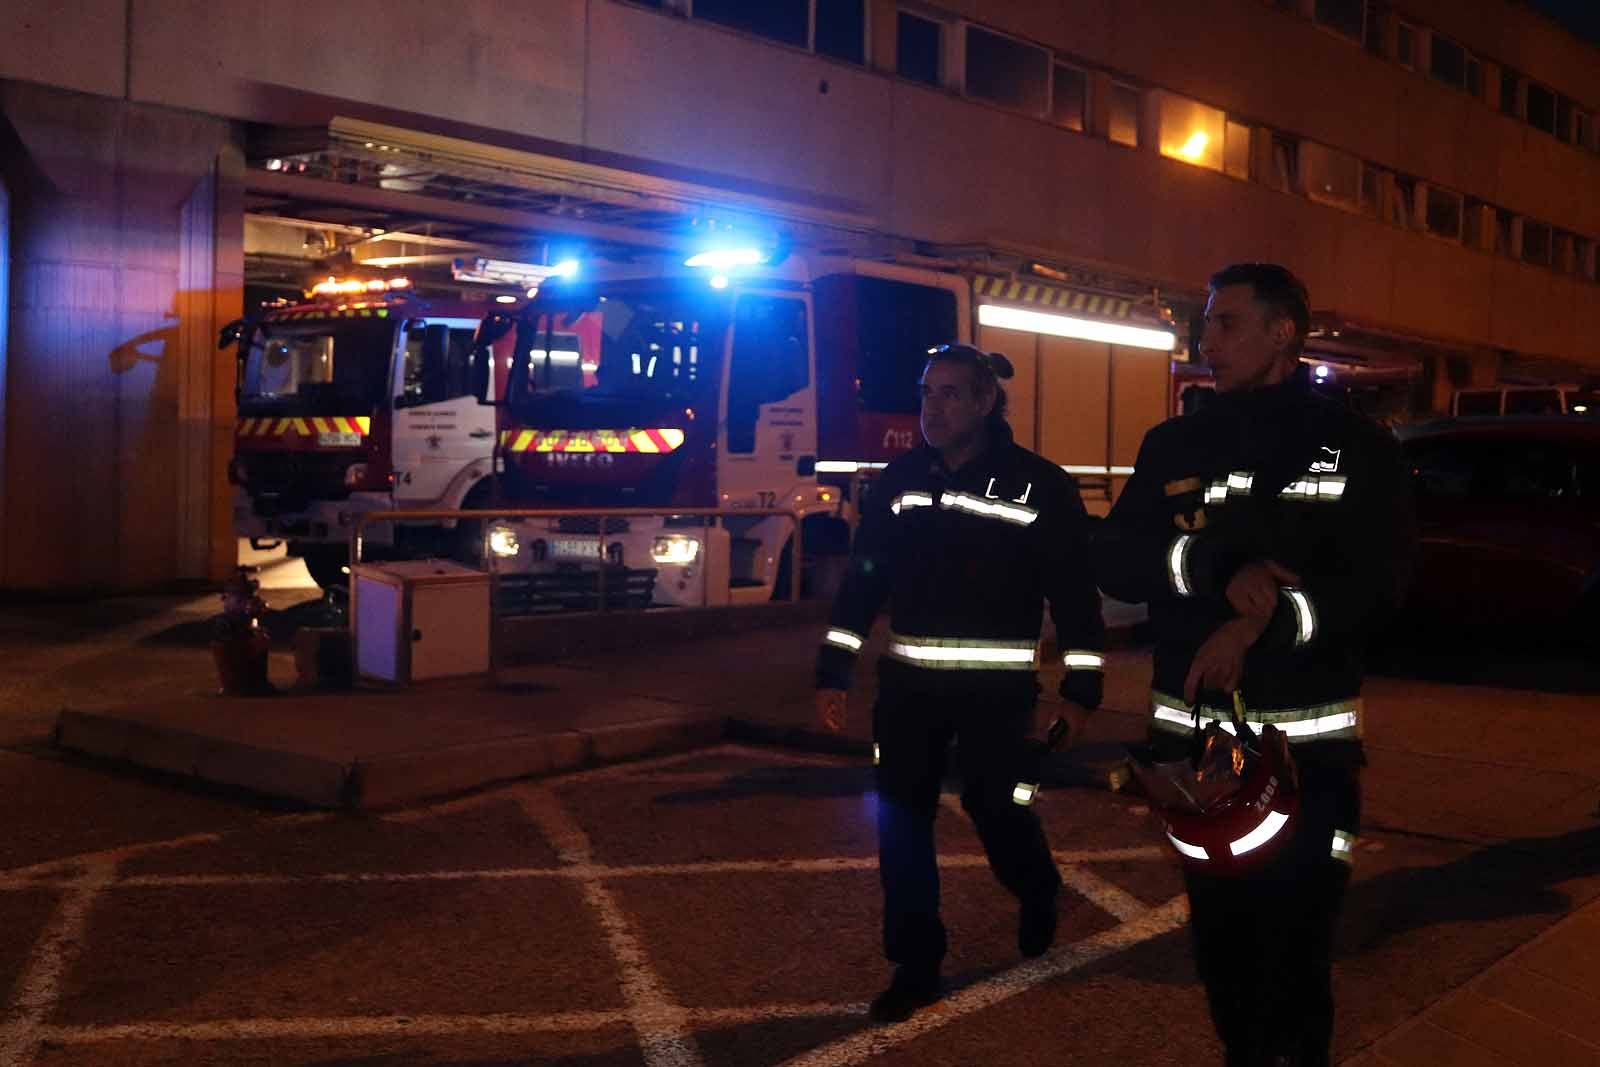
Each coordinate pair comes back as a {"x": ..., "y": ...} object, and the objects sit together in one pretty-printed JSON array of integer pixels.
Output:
[
  {"x": 642, "y": 442},
  {"x": 672, "y": 437},
  {"x": 364, "y": 424},
  {"x": 321, "y": 425}
]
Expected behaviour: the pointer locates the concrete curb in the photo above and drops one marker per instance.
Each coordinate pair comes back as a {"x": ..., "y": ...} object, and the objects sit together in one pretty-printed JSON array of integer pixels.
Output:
[{"x": 383, "y": 781}]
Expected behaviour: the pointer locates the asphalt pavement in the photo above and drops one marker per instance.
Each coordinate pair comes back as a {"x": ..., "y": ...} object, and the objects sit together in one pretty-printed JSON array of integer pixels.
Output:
[{"x": 717, "y": 906}]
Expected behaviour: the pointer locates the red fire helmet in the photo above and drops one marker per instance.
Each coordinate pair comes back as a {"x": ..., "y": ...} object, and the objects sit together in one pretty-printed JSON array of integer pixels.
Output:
[{"x": 1240, "y": 833}]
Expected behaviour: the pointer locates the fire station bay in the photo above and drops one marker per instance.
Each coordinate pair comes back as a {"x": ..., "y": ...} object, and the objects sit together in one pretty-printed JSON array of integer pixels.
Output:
[{"x": 267, "y": 266}]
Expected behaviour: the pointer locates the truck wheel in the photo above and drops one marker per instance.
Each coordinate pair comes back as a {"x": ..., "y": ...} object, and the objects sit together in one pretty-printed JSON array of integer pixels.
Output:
[
  {"x": 468, "y": 543},
  {"x": 325, "y": 563}
]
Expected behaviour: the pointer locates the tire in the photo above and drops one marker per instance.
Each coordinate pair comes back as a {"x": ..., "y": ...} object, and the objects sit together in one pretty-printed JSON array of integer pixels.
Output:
[
  {"x": 466, "y": 546},
  {"x": 325, "y": 563}
]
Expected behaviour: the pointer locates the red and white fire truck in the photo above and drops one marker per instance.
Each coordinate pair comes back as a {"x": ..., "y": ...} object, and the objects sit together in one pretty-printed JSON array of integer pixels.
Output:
[
  {"x": 729, "y": 381},
  {"x": 355, "y": 401}
]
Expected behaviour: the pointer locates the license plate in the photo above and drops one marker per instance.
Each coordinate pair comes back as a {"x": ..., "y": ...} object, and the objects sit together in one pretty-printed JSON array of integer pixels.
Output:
[
  {"x": 338, "y": 439},
  {"x": 573, "y": 547}
]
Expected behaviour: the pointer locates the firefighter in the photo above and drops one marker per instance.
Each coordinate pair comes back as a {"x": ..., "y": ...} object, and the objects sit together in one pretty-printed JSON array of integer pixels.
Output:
[
  {"x": 1270, "y": 534},
  {"x": 965, "y": 536}
]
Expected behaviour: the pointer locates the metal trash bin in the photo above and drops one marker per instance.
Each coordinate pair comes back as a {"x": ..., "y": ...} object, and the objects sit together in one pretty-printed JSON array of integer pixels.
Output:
[{"x": 420, "y": 619}]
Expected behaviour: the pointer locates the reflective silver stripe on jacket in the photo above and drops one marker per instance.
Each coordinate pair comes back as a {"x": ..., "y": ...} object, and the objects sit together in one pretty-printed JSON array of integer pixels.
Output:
[
  {"x": 1081, "y": 659},
  {"x": 961, "y": 653},
  {"x": 1178, "y": 565},
  {"x": 911, "y": 499},
  {"x": 1321, "y": 487},
  {"x": 989, "y": 508},
  {"x": 1337, "y": 720},
  {"x": 1344, "y": 847},
  {"x": 845, "y": 639},
  {"x": 1305, "y": 616}
]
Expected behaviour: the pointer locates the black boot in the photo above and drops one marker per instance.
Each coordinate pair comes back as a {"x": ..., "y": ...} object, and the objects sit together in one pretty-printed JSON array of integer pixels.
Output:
[
  {"x": 1036, "y": 925},
  {"x": 910, "y": 989}
]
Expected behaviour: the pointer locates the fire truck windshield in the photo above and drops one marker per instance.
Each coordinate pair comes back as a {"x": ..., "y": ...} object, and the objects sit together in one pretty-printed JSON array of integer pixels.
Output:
[
  {"x": 320, "y": 367},
  {"x": 656, "y": 344}
]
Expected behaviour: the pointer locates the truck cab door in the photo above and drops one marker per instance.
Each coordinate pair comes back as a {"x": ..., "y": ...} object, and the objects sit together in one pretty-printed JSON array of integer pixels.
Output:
[
  {"x": 440, "y": 429},
  {"x": 767, "y": 437}
]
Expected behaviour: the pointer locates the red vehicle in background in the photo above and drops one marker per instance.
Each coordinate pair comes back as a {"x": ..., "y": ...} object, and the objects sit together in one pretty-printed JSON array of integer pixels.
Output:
[{"x": 1509, "y": 525}]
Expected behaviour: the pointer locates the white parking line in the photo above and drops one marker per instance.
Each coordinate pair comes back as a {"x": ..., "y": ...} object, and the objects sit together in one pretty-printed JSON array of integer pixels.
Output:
[
  {"x": 40, "y": 986},
  {"x": 663, "y": 1027},
  {"x": 1068, "y": 858},
  {"x": 863, "y": 1045}
]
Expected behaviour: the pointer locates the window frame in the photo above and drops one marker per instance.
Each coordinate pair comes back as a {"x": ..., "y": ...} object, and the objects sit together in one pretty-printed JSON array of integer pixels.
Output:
[
  {"x": 1428, "y": 193},
  {"x": 1056, "y": 65},
  {"x": 1137, "y": 95},
  {"x": 941, "y": 75},
  {"x": 968, "y": 28}
]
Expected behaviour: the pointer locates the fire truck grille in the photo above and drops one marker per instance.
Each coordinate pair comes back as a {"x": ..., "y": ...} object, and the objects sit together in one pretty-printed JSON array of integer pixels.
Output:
[{"x": 591, "y": 525}]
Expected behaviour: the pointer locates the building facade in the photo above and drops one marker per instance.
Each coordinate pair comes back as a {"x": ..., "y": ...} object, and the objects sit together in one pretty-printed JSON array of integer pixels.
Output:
[{"x": 1429, "y": 167}]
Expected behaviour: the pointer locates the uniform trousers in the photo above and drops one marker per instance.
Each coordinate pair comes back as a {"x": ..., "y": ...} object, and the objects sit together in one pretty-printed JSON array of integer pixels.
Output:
[
  {"x": 1263, "y": 943},
  {"x": 989, "y": 716}
]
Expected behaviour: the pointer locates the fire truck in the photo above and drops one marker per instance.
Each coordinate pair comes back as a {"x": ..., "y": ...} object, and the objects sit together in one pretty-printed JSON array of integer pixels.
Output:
[
  {"x": 355, "y": 401},
  {"x": 735, "y": 380}
]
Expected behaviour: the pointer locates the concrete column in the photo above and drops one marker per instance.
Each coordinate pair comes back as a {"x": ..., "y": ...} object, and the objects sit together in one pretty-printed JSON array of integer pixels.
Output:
[{"x": 112, "y": 250}]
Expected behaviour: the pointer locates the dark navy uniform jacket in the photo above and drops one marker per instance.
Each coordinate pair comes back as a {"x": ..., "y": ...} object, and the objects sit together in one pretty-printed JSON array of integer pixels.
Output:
[
  {"x": 966, "y": 560},
  {"x": 1274, "y": 473}
]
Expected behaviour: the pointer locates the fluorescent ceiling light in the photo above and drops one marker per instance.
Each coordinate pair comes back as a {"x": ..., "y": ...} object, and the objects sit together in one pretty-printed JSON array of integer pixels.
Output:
[{"x": 1010, "y": 318}]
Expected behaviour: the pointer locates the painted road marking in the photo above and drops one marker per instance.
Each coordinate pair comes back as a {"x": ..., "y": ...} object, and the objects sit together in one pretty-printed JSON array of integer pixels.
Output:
[
  {"x": 863, "y": 1045},
  {"x": 665, "y": 1029},
  {"x": 57, "y": 946},
  {"x": 663, "y": 1026}
]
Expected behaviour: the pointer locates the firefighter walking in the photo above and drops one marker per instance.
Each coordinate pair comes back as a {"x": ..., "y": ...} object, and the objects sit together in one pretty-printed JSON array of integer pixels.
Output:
[
  {"x": 965, "y": 536},
  {"x": 1270, "y": 534}
]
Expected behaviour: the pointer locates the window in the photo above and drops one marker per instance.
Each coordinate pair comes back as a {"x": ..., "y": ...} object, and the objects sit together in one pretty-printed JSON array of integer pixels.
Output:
[
  {"x": 1448, "y": 62},
  {"x": 783, "y": 21},
  {"x": 1536, "y": 243},
  {"x": 918, "y": 44},
  {"x": 1069, "y": 97},
  {"x": 1345, "y": 17},
  {"x": 1191, "y": 131},
  {"x": 1477, "y": 226},
  {"x": 1581, "y": 126},
  {"x": 1510, "y": 93},
  {"x": 1124, "y": 115},
  {"x": 1541, "y": 108},
  {"x": 897, "y": 323},
  {"x": 841, "y": 30},
  {"x": 1005, "y": 71},
  {"x": 1400, "y": 202},
  {"x": 1443, "y": 213},
  {"x": 1373, "y": 41},
  {"x": 1405, "y": 45},
  {"x": 1236, "y": 150},
  {"x": 1285, "y": 173},
  {"x": 435, "y": 371},
  {"x": 1474, "y": 84},
  {"x": 1564, "y": 255},
  {"x": 1331, "y": 176},
  {"x": 769, "y": 362},
  {"x": 1505, "y": 227}
]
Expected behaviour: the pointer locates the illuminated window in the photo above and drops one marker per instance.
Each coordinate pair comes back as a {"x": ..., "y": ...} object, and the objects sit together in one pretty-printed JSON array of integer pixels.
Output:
[
  {"x": 1443, "y": 214},
  {"x": 919, "y": 43},
  {"x": 1124, "y": 115},
  {"x": 1331, "y": 176},
  {"x": 1069, "y": 97},
  {"x": 1005, "y": 71},
  {"x": 1191, "y": 131},
  {"x": 1236, "y": 151}
]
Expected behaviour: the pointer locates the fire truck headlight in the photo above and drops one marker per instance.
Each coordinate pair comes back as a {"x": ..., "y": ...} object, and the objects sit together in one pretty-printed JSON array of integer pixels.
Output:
[
  {"x": 676, "y": 549},
  {"x": 504, "y": 542},
  {"x": 354, "y": 475}
]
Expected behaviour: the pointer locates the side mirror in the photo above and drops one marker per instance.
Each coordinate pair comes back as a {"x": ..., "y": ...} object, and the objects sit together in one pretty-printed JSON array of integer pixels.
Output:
[
  {"x": 230, "y": 334},
  {"x": 494, "y": 326}
]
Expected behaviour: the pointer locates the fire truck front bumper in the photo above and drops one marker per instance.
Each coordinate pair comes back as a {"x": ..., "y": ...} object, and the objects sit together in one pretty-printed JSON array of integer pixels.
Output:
[{"x": 317, "y": 522}]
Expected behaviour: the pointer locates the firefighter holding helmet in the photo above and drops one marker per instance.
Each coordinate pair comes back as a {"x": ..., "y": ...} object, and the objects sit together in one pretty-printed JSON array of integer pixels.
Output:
[
  {"x": 1270, "y": 535},
  {"x": 966, "y": 537}
]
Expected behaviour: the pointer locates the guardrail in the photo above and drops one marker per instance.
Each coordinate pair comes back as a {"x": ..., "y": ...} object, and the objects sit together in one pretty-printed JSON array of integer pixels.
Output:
[{"x": 486, "y": 516}]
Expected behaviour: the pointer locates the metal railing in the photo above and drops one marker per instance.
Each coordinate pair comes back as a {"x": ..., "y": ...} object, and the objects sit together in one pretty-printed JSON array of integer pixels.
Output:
[{"x": 603, "y": 532}]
